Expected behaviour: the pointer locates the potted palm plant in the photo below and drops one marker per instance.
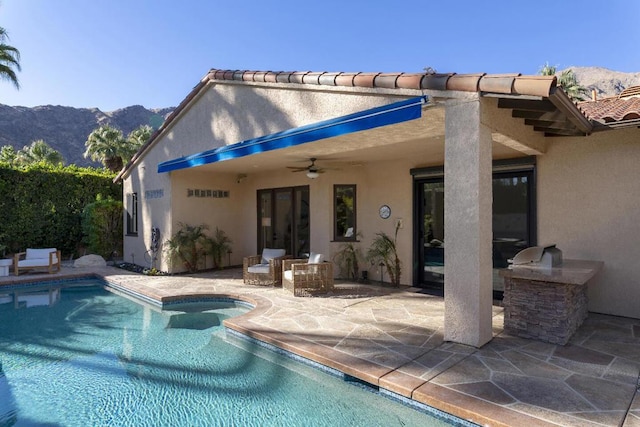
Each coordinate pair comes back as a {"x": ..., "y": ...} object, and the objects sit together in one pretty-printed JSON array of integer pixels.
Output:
[
  {"x": 187, "y": 245},
  {"x": 384, "y": 250},
  {"x": 217, "y": 246},
  {"x": 348, "y": 258}
]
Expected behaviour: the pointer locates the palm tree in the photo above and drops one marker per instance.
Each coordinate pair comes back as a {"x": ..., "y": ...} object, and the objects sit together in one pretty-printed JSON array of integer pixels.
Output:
[
  {"x": 108, "y": 145},
  {"x": 7, "y": 154},
  {"x": 105, "y": 145},
  {"x": 136, "y": 139},
  {"x": 567, "y": 80},
  {"x": 9, "y": 60},
  {"x": 38, "y": 151}
]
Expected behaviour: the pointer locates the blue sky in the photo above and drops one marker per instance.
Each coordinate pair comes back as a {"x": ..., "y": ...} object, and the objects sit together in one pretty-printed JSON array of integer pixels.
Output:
[{"x": 114, "y": 53}]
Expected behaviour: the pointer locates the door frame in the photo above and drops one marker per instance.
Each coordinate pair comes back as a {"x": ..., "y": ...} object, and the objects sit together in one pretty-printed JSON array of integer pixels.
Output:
[
  {"x": 293, "y": 214},
  {"x": 501, "y": 168}
]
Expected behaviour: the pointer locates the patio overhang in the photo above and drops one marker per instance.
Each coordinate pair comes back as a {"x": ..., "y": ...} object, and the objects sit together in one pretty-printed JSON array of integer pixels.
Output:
[{"x": 397, "y": 112}]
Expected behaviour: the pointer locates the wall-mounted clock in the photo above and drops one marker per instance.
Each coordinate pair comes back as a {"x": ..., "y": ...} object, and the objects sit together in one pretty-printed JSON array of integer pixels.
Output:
[{"x": 385, "y": 211}]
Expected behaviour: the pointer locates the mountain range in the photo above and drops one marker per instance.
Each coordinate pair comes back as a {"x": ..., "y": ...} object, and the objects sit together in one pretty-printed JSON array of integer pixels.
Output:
[{"x": 66, "y": 128}]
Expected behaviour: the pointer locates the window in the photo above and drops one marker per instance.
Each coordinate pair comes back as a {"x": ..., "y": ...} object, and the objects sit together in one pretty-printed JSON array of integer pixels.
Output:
[
  {"x": 344, "y": 212},
  {"x": 132, "y": 214}
]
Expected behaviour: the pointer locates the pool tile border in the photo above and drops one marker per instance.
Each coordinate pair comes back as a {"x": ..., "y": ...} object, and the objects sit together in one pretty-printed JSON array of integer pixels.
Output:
[{"x": 429, "y": 410}]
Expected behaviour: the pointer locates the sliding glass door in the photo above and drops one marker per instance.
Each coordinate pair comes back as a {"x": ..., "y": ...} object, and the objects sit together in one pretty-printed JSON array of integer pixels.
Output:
[
  {"x": 513, "y": 224},
  {"x": 283, "y": 219}
]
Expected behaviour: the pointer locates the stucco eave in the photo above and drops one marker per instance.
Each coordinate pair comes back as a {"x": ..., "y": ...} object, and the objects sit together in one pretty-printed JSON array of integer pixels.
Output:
[
  {"x": 401, "y": 93},
  {"x": 179, "y": 112}
]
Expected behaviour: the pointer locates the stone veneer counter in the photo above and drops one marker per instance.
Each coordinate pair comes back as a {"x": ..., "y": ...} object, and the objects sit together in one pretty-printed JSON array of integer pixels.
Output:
[{"x": 547, "y": 304}]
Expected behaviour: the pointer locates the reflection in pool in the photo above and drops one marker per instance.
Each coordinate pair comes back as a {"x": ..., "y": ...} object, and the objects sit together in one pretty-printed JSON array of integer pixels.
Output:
[{"x": 92, "y": 357}]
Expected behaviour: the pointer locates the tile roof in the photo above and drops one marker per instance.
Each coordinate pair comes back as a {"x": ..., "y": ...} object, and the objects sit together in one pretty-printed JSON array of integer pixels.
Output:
[
  {"x": 575, "y": 119},
  {"x": 528, "y": 87},
  {"x": 621, "y": 108},
  {"x": 512, "y": 84}
]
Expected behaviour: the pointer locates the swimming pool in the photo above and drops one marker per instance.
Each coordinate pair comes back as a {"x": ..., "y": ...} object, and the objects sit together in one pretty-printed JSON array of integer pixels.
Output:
[{"x": 82, "y": 355}]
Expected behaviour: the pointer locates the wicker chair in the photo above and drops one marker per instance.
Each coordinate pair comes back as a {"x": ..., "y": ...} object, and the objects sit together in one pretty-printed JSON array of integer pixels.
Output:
[
  {"x": 265, "y": 269},
  {"x": 307, "y": 277}
]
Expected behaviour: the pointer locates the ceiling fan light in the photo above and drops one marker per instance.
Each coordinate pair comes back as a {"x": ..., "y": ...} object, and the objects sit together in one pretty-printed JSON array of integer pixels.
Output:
[{"x": 312, "y": 174}]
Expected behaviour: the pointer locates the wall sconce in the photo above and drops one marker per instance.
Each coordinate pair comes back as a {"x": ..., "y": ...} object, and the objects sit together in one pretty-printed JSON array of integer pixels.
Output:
[
  {"x": 241, "y": 177},
  {"x": 312, "y": 174}
]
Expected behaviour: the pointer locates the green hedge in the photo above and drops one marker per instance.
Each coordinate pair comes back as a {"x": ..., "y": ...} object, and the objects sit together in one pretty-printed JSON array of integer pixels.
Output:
[
  {"x": 41, "y": 205},
  {"x": 102, "y": 227}
]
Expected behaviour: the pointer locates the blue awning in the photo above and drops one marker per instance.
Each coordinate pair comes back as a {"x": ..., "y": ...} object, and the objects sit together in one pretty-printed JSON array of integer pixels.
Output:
[{"x": 397, "y": 112}]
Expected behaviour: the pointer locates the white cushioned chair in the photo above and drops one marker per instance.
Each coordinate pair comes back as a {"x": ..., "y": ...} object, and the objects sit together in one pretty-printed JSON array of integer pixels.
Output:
[
  {"x": 264, "y": 269},
  {"x": 307, "y": 276},
  {"x": 48, "y": 258}
]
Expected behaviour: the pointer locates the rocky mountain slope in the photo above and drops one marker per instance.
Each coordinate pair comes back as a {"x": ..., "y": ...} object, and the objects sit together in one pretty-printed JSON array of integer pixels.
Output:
[
  {"x": 66, "y": 128},
  {"x": 606, "y": 82}
]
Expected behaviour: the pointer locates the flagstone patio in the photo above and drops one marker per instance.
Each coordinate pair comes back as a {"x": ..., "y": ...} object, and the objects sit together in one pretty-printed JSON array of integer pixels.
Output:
[{"x": 393, "y": 338}]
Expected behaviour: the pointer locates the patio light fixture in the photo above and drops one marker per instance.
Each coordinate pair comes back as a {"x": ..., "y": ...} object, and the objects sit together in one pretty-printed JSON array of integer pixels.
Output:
[{"x": 312, "y": 174}]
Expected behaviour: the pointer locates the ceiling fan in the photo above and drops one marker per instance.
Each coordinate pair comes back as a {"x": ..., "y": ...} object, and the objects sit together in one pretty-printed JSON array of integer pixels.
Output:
[{"x": 312, "y": 170}]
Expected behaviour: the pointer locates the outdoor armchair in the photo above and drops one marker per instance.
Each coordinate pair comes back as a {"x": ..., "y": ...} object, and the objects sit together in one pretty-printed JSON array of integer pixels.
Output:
[
  {"x": 304, "y": 277},
  {"x": 37, "y": 258},
  {"x": 265, "y": 269}
]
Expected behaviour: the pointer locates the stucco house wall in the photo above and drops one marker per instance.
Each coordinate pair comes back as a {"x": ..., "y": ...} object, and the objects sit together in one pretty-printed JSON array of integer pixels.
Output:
[
  {"x": 225, "y": 114},
  {"x": 587, "y": 191},
  {"x": 589, "y": 205}
]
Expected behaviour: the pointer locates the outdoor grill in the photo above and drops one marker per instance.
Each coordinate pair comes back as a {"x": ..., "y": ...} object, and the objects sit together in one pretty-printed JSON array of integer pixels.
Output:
[{"x": 537, "y": 256}]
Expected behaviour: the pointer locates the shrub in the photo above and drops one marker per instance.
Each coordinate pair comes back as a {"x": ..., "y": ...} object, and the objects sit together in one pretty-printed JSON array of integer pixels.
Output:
[
  {"x": 102, "y": 226},
  {"x": 41, "y": 205}
]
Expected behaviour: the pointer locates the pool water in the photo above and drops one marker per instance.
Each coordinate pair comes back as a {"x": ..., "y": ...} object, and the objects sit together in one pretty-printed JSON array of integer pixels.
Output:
[{"x": 84, "y": 356}]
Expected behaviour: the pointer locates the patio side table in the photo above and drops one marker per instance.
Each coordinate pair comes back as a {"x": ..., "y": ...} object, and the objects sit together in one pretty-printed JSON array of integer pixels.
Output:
[{"x": 4, "y": 266}]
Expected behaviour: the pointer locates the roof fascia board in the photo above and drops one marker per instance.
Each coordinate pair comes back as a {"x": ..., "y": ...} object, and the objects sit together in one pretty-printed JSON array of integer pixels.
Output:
[
  {"x": 599, "y": 127},
  {"x": 562, "y": 101}
]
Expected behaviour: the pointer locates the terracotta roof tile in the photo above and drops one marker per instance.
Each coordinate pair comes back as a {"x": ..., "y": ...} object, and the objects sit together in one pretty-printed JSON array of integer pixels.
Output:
[
  {"x": 346, "y": 79},
  {"x": 497, "y": 83},
  {"x": 386, "y": 80},
  {"x": 410, "y": 80},
  {"x": 219, "y": 74},
  {"x": 365, "y": 79},
  {"x": 514, "y": 84},
  {"x": 534, "y": 85},
  {"x": 298, "y": 76},
  {"x": 283, "y": 77},
  {"x": 327, "y": 79},
  {"x": 259, "y": 76},
  {"x": 615, "y": 109},
  {"x": 435, "y": 81},
  {"x": 312, "y": 78},
  {"x": 630, "y": 91},
  {"x": 238, "y": 75},
  {"x": 247, "y": 76},
  {"x": 270, "y": 77},
  {"x": 464, "y": 82}
]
